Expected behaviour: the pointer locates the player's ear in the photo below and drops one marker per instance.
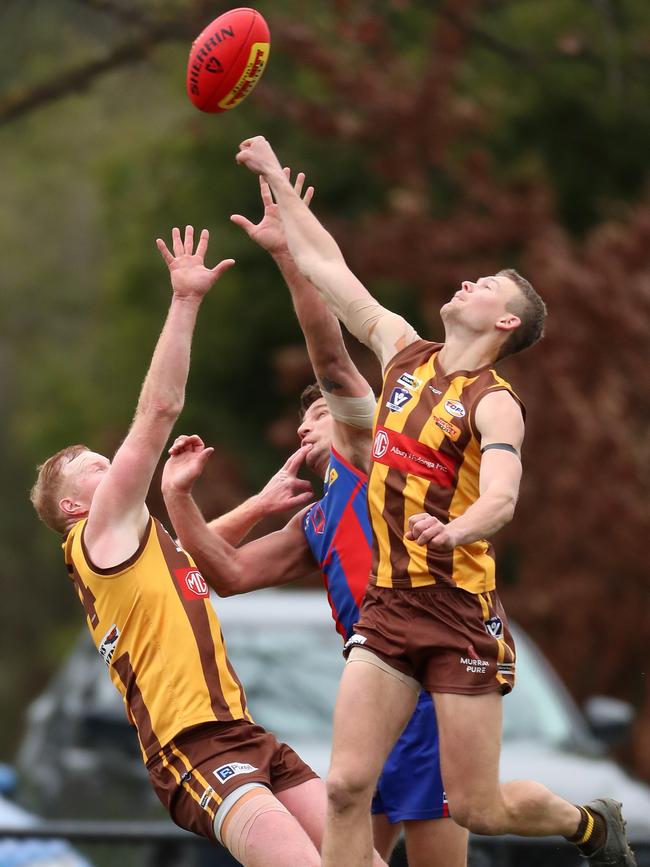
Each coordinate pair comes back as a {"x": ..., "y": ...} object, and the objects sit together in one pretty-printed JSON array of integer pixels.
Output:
[
  {"x": 70, "y": 507},
  {"x": 508, "y": 322}
]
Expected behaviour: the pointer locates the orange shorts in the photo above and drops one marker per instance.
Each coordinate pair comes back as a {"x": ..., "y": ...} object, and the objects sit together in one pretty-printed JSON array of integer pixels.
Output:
[{"x": 449, "y": 640}]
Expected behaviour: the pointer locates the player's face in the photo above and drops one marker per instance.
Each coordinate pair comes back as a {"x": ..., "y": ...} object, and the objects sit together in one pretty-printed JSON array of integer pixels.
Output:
[
  {"x": 315, "y": 431},
  {"x": 82, "y": 476},
  {"x": 479, "y": 306}
]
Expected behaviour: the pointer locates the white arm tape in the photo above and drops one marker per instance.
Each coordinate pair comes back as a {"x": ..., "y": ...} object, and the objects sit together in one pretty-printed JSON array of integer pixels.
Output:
[
  {"x": 384, "y": 332},
  {"x": 355, "y": 411}
]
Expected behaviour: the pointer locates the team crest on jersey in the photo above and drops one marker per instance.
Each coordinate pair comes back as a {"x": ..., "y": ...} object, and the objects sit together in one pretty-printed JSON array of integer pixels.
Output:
[
  {"x": 409, "y": 381},
  {"x": 234, "y": 769},
  {"x": 450, "y": 429},
  {"x": 317, "y": 516},
  {"x": 494, "y": 627},
  {"x": 455, "y": 408},
  {"x": 192, "y": 583},
  {"x": 398, "y": 399},
  {"x": 380, "y": 445},
  {"x": 332, "y": 476},
  {"x": 108, "y": 644}
]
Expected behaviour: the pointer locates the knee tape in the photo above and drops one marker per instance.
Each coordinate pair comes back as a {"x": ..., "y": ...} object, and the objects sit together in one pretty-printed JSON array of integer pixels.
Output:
[{"x": 242, "y": 815}]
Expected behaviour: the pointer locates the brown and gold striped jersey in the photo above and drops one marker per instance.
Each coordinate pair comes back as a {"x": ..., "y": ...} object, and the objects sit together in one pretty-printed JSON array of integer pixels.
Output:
[
  {"x": 153, "y": 624},
  {"x": 426, "y": 457}
]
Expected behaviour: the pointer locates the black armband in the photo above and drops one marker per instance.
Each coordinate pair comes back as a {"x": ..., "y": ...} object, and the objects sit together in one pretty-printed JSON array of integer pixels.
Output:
[{"x": 506, "y": 447}]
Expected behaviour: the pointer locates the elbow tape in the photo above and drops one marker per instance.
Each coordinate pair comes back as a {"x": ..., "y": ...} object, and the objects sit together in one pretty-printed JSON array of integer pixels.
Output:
[{"x": 355, "y": 411}]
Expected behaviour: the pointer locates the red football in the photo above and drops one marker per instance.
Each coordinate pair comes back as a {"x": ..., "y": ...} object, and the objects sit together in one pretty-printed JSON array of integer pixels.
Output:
[{"x": 227, "y": 60}]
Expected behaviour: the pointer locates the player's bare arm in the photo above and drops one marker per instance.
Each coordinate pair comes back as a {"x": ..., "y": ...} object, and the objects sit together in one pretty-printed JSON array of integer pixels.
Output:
[
  {"x": 118, "y": 515},
  {"x": 500, "y": 424},
  {"x": 348, "y": 394},
  {"x": 270, "y": 561},
  {"x": 319, "y": 259}
]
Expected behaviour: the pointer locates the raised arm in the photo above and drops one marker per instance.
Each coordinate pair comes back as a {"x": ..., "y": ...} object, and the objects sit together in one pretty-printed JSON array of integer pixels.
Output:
[
  {"x": 272, "y": 560},
  {"x": 118, "y": 514},
  {"x": 348, "y": 394},
  {"x": 319, "y": 259},
  {"x": 499, "y": 421}
]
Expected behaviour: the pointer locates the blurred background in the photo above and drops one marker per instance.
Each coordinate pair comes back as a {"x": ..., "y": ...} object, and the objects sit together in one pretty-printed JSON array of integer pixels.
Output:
[{"x": 446, "y": 139}]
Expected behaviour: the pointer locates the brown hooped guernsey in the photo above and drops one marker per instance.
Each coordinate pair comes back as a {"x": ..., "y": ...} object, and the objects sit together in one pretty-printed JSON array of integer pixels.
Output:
[
  {"x": 153, "y": 624},
  {"x": 426, "y": 457}
]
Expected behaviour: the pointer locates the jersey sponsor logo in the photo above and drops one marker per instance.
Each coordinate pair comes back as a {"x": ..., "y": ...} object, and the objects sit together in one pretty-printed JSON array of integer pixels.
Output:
[
  {"x": 455, "y": 408},
  {"x": 380, "y": 446},
  {"x": 450, "y": 429},
  {"x": 474, "y": 665},
  {"x": 192, "y": 583},
  {"x": 354, "y": 641},
  {"x": 332, "y": 476},
  {"x": 318, "y": 518},
  {"x": 494, "y": 627},
  {"x": 398, "y": 399},
  {"x": 108, "y": 644},
  {"x": 408, "y": 455},
  {"x": 409, "y": 381},
  {"x": 506, "y": 668},
  {"x": 234, "y": 769},
  {"x": 435, "y": 390}
]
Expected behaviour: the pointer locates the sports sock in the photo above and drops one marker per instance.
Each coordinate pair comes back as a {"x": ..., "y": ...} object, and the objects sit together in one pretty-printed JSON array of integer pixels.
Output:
[{"x": 591, "y": 833}]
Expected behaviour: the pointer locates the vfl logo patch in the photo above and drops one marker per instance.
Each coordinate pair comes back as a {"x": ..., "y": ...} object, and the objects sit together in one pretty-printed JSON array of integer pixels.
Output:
[
  {"x": 455, "y": 408},
  {"x": 398, "y": 399},
  {"x": 409, "y": 381},
  {"x": 192, "y": 583},
  {"x": 234, "y": 769},
  {"x": 494, "y": 627},
  {"x": 108, "y": 644},
  {"x": 450, "y": 429},
  {"x": 380, "y": 446}
]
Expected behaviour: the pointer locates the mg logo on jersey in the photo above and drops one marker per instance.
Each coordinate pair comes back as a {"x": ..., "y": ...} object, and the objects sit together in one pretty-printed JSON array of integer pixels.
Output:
[
  {"x": 192, "y": 583},
  {"x": 455, "y": 408},
  {"x": 398, "y": 398},
  {"x": 380, "y": 446}
]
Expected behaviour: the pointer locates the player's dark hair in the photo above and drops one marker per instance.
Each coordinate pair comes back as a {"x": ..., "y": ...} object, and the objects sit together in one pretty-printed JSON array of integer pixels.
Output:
[
  {"x": 310, "y": 395},
  {"x": 531, "y": 310}
]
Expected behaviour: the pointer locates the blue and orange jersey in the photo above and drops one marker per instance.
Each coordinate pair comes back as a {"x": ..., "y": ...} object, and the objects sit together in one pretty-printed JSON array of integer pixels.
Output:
[{"x": 337, "y": 529}]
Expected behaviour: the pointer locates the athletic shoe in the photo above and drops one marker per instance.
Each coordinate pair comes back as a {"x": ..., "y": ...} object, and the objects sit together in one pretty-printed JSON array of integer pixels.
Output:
[{"x": 616, "y": 851}]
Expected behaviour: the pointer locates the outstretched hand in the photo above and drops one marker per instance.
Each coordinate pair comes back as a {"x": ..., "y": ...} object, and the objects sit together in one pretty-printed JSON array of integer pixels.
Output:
[
  {"x": 190, "y": 278},
  {"x": 285, "y": 490},
  {"x": 269, "y": 232},
  {"x": 187, "y": 459}
]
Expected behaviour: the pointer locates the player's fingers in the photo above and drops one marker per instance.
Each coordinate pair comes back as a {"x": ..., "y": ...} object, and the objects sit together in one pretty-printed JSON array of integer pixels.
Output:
[
  {"x": 222, "y": 267},
  {"x": 177, "y": 244},
  {"x": 294, "y": 461},
  {"x": 189, "y": 240},
  {"x": 309, "y": 195},
  {"x": 301, "y": 499},
  {"x": 167, "y": 256},
  {"x": 205, "y": 456},
  {"x": 242, "y": 222},
  {"x": 265, "y": 191},
  {"x": 300, "y": 182},
  {"x": 203, "y": 243}
]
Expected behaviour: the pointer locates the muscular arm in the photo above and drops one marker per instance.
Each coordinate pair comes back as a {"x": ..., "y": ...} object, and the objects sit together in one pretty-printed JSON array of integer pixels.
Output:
[
  {"x": 498, "y": 419},
  {"x": 270, "y": 561},
  {"x": 319, "y": 259},
  {"x": 118, "y": 514}
]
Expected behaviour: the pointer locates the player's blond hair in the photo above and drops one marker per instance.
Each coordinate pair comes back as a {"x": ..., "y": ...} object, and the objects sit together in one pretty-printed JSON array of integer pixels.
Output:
[{"x": 46, "y": 492}]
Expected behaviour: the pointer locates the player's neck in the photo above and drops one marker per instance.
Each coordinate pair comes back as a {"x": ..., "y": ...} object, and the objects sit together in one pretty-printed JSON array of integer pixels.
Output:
[{"x": 461, "y": 353}]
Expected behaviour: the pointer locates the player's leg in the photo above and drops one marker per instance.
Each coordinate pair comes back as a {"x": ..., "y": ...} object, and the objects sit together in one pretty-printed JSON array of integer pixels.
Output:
[
  {"x": 373, "y": 705},
  {"x": 259, "y": 831},
  {"x": 470, "y": 743},
  {"x": 435, "y": 843},
  {"x": 385, "y": 834}
]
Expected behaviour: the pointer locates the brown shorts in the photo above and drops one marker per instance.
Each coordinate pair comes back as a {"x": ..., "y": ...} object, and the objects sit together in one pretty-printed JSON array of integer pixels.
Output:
[
  {"x": 203, "y": 765},
  {"x": 449, "y": 640}
]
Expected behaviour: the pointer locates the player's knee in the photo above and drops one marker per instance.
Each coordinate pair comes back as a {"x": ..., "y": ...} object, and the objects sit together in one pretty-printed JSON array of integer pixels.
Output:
[
  {"x": 479, "y": 818},
  {"x": 346, "y": 791}
]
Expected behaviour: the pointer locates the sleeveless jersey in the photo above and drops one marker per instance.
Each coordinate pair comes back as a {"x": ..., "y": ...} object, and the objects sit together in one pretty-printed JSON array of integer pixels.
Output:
[
  {"x": 338, "y": 533},
  {"x": 426, "y": 457},
  {"x": 153, "y": 624}
]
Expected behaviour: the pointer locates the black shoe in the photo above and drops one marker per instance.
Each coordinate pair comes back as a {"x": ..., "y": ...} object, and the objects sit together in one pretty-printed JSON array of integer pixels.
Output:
[{"x": 616, "y": 851}]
